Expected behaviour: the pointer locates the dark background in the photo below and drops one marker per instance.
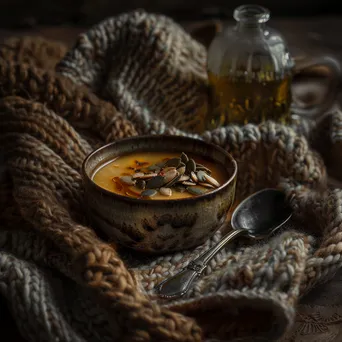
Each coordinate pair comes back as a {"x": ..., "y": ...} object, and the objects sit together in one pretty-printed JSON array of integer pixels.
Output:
[{"x": 26, "y": 13}]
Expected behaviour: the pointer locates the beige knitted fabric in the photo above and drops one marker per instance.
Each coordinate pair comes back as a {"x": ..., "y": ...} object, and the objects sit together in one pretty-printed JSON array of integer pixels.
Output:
[{"x": 140, "y": 73}]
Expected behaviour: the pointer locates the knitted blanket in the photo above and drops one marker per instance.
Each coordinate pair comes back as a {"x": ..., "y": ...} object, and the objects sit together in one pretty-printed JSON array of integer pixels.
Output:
[{"x": 140, "y": 73}]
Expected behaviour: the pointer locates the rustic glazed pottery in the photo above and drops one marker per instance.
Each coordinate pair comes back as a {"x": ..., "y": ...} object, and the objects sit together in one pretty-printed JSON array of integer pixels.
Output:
[{"x": 165, "y": 225}]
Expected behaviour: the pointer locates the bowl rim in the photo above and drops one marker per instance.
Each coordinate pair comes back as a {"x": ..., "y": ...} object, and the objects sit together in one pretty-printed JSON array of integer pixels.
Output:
[{"x": 231, "y": 179}]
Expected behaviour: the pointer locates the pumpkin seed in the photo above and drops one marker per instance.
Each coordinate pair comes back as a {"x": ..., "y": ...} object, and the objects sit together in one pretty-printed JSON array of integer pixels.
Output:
[
  {"x": 200, "y": 167},
  {"x": 193, "y": 176},
  {"x": 172, "y": 182},
  {"x": 154, "y": 167},
  {"x": 206, "y": 185},
  {"x": 212, "y": 181},
  {"x": 165, "y": 191},
  {"x": 155, "y": 182},
  {"x": 201, "y": 176},
  {"x": 138, "y": 175},
  {"x": 187, "y": 183},
  {"x": 184, "y": 158},
  {"x": 149, "y": 193},
  {"x": 181, "y": 170},
  {"x": 168, "y": 176},
  {"x": 196, "y": 190},
  {"x": 183, "y": 178},
  {"x": 179, "y": 188},
  {"x": 173, "y": 162},
  {"x": 147, "y": 176},
  {"x": 190, "y": 166},
  {"x": 127, "y": 180},
  {"x": 167, "y": 169},
  {"x": 141, "y": 184}
]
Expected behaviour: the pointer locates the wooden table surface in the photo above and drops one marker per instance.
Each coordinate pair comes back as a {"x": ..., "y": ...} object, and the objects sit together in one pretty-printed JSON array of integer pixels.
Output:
[{"x": 308, "y": 36}]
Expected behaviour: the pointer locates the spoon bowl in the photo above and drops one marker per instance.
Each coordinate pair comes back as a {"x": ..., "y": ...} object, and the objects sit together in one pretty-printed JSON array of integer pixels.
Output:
[
  {"x": 262, "y": 213},
  {"x": 257, "y": 217}
]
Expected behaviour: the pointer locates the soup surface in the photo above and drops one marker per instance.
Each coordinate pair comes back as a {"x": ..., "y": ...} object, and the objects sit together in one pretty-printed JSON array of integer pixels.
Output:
[{"x": 160, "y": 176}]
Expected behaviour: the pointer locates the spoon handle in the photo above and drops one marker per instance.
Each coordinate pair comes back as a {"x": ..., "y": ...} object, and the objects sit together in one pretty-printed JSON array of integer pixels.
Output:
[{"x": 180, "y": 283}]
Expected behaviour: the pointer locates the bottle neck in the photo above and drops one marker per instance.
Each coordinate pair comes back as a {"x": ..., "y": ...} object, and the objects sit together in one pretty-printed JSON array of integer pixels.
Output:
[
  {"x": 251, "y": 17},
  {"x": 249, "y": 26}
]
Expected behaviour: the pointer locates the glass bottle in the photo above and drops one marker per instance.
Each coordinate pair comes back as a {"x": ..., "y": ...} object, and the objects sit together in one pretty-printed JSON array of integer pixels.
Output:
[{"x": 249, "y": 72}]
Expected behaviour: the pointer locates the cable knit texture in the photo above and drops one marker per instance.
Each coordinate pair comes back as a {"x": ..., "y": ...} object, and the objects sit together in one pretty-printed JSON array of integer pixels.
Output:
[{"x": 134, "y": 74}]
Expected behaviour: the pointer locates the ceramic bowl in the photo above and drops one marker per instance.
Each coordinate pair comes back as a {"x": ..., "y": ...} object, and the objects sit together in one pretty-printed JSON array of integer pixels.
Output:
[{"x": 158, "y": 226}]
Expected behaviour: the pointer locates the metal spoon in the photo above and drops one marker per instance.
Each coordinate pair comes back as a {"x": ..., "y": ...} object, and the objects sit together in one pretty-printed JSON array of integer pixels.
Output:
[{"x": 257, "y": 217}]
